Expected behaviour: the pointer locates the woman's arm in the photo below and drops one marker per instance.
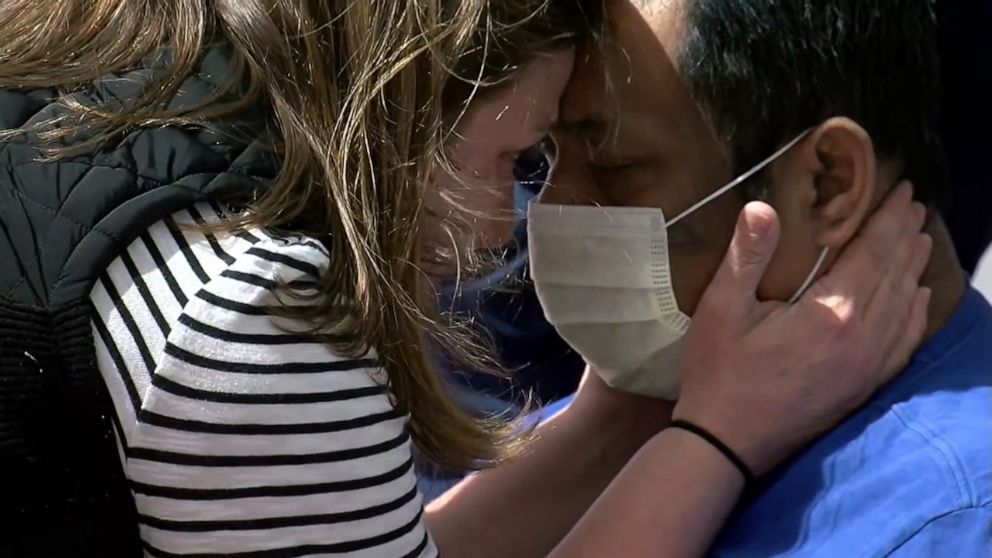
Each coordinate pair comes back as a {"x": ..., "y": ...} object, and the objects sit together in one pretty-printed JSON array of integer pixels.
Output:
[
  {"x": 523, "y": 508},
  {"x": 676, "y": 487},
  {"x": 766, "y": 378},
  {"x": 670, "y": 500}
]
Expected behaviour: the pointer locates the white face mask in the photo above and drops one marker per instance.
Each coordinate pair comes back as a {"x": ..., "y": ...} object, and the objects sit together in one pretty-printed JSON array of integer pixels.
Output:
[{"x": 604, "y": 279}]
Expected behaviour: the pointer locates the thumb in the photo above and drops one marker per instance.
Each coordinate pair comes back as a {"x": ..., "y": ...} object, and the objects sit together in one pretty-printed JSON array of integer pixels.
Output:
[{"x": 736, "y": 281}]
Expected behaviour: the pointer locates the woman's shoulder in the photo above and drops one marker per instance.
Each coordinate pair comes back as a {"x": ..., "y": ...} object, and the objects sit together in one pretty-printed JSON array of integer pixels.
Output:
[
  {"x": 197, "y": 243},
  {"x": 251, "y": 283},
  {"x": 280, "y": 430},
  {"x": 220, "y": 299}
]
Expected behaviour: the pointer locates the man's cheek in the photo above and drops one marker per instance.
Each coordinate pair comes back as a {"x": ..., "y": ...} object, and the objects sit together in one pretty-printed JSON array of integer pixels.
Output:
[
  {"x": 692, "y": 270},
  {"x": 782, "y": 277}
]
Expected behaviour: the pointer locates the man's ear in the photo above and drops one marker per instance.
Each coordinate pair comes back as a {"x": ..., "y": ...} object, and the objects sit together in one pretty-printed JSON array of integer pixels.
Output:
[{"x": 844, "y": 180}]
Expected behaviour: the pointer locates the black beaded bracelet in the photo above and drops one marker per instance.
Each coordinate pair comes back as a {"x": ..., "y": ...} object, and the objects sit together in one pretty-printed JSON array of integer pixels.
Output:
[{"x": 720, "y": 446}]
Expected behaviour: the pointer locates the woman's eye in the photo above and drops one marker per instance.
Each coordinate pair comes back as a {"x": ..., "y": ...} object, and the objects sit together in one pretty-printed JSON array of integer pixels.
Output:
[
  {"x": 544, "y": 149},
  {"x": 531, "y": 166}
]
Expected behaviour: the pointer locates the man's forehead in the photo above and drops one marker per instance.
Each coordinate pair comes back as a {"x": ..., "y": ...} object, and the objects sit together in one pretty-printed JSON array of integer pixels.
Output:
[
  {"x": 631, "y": 76},
  {"x": 652, "y": 7},
  {"x": 665, "y": 18}
]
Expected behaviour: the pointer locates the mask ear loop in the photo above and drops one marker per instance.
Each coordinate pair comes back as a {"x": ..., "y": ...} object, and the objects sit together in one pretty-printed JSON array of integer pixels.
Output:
[
  {"x": 740, "y": 179},
  {"x": 812, "y": 276}
]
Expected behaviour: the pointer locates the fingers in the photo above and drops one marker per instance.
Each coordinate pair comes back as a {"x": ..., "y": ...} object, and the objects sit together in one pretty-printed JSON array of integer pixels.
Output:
[
  {"x": 894, "y": 294},
  {"x": 891, "y": 315},
  {"x": 920, "y": 258},
  {"x": 901, "y": 279},
  {"x": 733, "y": 288},
  {"x": 904, "y": 254},
  {"x": 912, "y": 337},
  {"x": 884, "y": 244}
]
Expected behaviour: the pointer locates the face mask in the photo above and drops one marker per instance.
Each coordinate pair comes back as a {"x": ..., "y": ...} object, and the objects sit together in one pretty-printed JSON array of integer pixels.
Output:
[{"x": 604, "y": 279}]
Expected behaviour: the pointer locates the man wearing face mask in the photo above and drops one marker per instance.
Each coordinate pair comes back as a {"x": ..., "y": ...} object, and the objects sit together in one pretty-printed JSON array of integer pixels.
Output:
[{"x": 696, "y": 107}]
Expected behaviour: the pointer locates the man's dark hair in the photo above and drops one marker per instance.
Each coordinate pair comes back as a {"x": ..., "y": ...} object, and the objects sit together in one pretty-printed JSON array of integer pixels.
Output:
[{"x": 765, "y": 70}]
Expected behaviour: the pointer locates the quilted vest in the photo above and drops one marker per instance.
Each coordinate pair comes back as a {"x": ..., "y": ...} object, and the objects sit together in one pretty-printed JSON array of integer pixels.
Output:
[{"x": 62, "y": 488}]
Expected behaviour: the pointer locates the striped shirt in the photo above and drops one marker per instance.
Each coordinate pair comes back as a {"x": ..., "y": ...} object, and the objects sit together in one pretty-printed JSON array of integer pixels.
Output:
[{"x": 239, "y": 433}]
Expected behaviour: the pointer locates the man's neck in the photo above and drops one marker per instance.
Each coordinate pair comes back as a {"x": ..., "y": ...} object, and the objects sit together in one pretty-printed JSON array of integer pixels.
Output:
[{"x": 943, "y": 276}]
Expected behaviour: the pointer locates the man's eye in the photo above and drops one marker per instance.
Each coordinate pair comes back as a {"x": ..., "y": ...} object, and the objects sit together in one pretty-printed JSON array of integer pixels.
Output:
[
  {"x": 614, "y": 166},
  {"x": 614, "y": 161}
]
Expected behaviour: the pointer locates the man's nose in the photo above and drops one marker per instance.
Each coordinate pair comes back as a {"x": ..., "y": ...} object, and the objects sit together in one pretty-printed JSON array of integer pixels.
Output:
[{"x": 571, "y": 180}]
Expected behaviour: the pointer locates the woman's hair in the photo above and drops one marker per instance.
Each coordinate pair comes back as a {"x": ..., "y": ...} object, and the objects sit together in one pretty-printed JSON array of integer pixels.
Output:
[
  {"x": 356, "y": 93},
  {"x": 510, "y": 34}
]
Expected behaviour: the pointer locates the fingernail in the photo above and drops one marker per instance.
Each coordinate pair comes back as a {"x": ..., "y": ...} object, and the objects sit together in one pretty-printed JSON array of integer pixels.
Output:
[
  {"x": 758, "y": 224},
  {"x": 906, "y": 188},
  {"x": 919, "y": 213}
]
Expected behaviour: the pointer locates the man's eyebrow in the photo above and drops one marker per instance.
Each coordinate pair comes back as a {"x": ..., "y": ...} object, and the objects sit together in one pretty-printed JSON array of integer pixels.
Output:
[{"x": 594, "y": 131}]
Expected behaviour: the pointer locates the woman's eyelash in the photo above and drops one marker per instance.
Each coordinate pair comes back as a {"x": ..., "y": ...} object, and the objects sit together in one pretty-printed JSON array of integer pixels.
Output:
[{"x": 547, "y": 146}]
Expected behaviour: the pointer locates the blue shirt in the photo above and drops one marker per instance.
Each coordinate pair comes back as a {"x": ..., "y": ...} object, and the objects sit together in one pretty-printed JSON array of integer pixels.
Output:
[{"x": 910, "y": 475}]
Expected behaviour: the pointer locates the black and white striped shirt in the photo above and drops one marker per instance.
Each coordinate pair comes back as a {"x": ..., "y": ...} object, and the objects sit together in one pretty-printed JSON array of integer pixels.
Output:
[{"x": 241, "y": 435}]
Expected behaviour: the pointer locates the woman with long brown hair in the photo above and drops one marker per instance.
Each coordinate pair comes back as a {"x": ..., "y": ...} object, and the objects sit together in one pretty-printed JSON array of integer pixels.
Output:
[{"x": 222, "y": 221}]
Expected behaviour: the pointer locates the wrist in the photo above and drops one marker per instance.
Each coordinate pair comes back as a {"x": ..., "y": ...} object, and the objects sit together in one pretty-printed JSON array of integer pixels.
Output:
[
  {"x": 718, "y": 445},
  {"x": 696, "y": 453},
  {"x": 733, "y": 434}
]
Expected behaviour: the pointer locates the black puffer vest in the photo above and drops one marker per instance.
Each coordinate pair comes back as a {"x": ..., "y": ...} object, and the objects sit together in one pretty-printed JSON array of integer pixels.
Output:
[{"x": 62, "y": 490}]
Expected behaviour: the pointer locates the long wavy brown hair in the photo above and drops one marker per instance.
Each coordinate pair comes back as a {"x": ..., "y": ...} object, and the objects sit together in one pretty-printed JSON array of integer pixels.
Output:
[{"x": 361, "y": 93}]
